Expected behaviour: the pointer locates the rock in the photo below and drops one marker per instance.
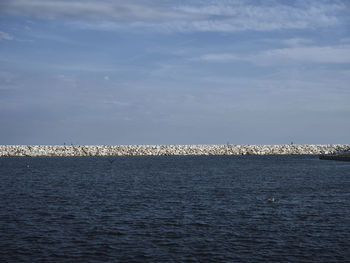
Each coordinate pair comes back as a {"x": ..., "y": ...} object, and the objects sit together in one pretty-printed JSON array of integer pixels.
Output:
[{"x": 131, "y": 150}]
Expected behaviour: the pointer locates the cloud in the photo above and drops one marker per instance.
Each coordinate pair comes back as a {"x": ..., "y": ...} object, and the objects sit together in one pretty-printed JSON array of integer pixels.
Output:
[
  {"x": 90, "y": 9},
  {"x": 239, "y": 16},
  {"x": 5, "y": 36},
  {"x": 189, "y": 16},
  {"x": 290, "y": 55},
  {"x": 297, "y": 41},
  {"x": 224, "y": 57},
  {"x": 117, "y": 103},
  {"x": 6, "y": 77},
  {"x": 345, "y": 40},
  {"x": 7, "y": 80},
  {"x": 311, "y": 54}
]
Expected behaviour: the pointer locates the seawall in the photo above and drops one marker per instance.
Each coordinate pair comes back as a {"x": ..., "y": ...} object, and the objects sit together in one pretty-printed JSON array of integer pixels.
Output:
[{"x": 152, "y": 150}]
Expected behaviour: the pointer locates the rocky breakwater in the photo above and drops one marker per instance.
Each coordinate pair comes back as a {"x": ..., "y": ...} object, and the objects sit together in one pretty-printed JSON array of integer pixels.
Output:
[{"x": 144, "y": 150}]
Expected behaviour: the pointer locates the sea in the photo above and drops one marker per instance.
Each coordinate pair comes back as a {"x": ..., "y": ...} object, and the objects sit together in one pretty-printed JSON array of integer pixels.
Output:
[{"x": 174, "y": 209}]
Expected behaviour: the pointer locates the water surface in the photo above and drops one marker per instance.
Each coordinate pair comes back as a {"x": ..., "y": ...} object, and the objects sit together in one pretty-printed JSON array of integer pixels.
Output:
[{"x": 174, "y": 209}]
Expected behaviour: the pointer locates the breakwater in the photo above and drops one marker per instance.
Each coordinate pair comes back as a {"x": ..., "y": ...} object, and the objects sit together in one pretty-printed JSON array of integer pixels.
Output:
[{"x": 152, "y": 150}]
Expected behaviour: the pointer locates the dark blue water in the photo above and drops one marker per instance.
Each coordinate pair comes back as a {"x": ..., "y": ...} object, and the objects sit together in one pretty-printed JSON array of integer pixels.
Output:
[{"x": 174, "y": 209}]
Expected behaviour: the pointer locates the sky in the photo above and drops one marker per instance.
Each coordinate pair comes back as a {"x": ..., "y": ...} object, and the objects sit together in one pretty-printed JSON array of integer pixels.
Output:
[{"x": 174, "y": 72}]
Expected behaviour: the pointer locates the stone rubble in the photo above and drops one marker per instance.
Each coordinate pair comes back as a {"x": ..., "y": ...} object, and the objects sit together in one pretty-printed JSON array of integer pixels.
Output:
[{"x": 152, "y": 150}]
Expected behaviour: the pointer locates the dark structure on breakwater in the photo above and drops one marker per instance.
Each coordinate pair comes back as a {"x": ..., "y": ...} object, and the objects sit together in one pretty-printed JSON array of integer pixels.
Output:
[{"x": 336, "y": 157}]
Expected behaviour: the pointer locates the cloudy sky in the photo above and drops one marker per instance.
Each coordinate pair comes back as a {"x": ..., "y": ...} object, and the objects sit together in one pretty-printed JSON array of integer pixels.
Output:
[{"x": 174, "y": 71}]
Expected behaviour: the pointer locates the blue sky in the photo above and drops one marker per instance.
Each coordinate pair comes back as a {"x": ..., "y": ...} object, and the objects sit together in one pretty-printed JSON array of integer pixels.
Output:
[{"x": 174, "y": 72}]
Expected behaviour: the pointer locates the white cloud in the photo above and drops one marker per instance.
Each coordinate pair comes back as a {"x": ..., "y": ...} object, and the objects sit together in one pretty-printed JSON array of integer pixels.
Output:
[
  {"x": 106, "y": 78},
  {"x": 290, "y": 55},
  {"x": 297, "y": 41},
  {"x": 51, "y": 37},
  {"x": 118, "y": 103},
  {"x": 5, "y": 36},
  {"x": 239, "y": 16},
  {"x": 224, "y": 57},
  {"x": 90, "y": 9},
  {"x": 6, "y": 77},
  {"x": 311, "y": 54},
  {"x": 189, "y": 16},
  {"x": 345, "y": 40},
  {"x": 346, "y": 73},
  {"x": 7, "y": 80}
]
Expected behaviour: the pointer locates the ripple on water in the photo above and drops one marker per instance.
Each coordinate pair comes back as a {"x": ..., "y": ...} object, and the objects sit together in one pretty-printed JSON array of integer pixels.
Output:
[{"x": 174, "y": 209}]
